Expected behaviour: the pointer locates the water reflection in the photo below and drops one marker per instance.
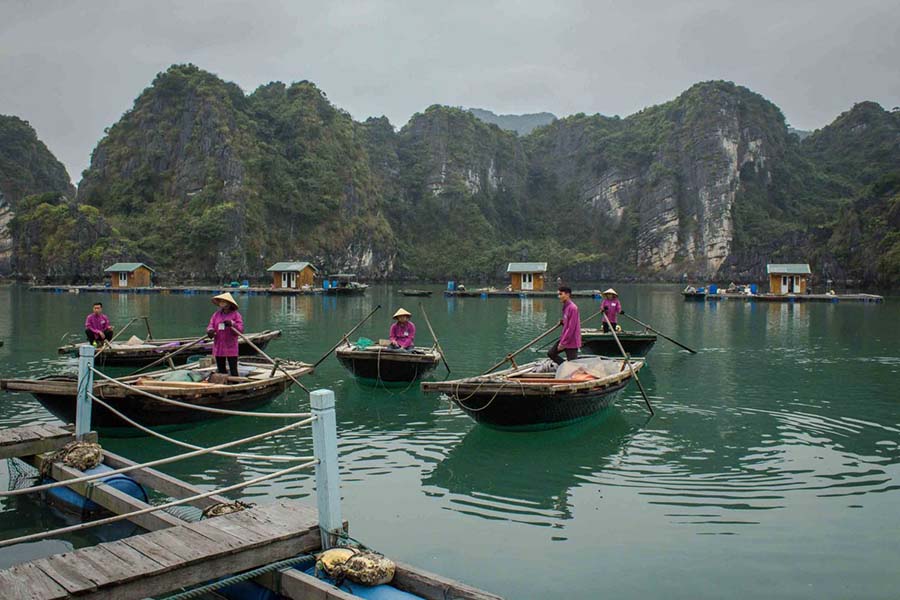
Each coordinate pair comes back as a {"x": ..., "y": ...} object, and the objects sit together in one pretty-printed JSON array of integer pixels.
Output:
[{"x": 527, "y": 478}]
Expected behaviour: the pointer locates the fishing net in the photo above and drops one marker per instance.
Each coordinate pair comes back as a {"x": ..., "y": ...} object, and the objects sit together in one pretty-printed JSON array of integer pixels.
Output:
[{"x": 364, "y": 342}]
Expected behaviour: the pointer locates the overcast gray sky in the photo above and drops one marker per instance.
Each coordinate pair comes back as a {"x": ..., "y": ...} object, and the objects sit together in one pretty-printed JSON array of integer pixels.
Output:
[{"x": 72, "y": 67}]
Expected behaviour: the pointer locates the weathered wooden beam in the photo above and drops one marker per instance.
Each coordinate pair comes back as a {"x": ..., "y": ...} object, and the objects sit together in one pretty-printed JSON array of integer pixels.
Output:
[
  {"x": 19, "y": 442},
  {"x": 166, "y": 484},
  {"x": 109, "y": 497},
  {"x": 429, "y": 585},
  {"x": 297, "y": 585}
]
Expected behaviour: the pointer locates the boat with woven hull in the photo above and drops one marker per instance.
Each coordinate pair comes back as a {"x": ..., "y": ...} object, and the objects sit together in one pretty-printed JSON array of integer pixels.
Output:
[
  {"x": 256, "y": 385},
  {"x": 378, "y": 364},
  {"x": 420, "y": 293},
  {"x": 124, "y": 354},
  {"x": 635, "y": 343},
  {"x": 526, "y": 398},
  {"x": 695, "y": 296},
  {"x": 344, "y": 284}
]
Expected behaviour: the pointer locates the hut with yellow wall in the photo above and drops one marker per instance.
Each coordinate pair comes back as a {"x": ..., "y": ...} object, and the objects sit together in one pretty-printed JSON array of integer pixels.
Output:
[
  {"x": 126, "y": 275},
  {"x": 527, "y": 276},
  {"x": 787, "y": 279},
  {"x": 292, "y": 275}
]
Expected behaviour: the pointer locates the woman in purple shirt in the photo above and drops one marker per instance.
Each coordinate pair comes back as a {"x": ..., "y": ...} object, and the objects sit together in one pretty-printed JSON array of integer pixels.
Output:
[
  {"x": 225, "y": 346},
  {"x": 570, "y": 339},
  {"x": 403, "y": 332},
  {"x": 612, "y": 308}
]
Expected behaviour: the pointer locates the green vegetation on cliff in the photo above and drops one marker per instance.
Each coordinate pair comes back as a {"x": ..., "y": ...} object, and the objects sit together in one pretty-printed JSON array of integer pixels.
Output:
[
  {"x": 204, "y": 181},
  {"x": 26, "y": 165}
]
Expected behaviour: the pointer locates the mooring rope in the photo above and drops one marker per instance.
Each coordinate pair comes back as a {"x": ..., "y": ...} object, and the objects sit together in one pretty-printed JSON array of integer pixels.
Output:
[
  {"x": 149, "y": 431},
  {"x": 170, "y": 459},
  {"x": 221, "y": 411},
  {"x": 150, "y": 509},
  {"x": 233, "y": 579}
]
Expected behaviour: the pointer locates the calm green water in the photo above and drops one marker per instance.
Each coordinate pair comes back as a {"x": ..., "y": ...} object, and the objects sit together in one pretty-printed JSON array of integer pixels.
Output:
[{"x": 771, "y": 467}]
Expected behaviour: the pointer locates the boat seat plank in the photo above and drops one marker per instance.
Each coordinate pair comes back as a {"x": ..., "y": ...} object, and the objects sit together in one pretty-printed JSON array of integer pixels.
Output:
[{"x": 29, "y": 581}]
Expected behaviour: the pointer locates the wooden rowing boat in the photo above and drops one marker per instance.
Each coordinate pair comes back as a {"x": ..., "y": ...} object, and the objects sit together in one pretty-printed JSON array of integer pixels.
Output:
[
  {"x": 377, "y": 364},
  {"x": 527, "y": 398},
  {"x": 123, "y": 354},
  {"x": 635, "y": 343},
  {"x": 257, "y": 385},
  {"x": 422, "y": 293}
]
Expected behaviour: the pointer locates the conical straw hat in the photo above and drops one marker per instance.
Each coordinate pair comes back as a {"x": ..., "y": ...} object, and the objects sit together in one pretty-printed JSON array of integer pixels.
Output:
[
  {"x": 611, "y": 291},
  {"x": 401, "y": 312},
  {"x": 227, "y": 297}
]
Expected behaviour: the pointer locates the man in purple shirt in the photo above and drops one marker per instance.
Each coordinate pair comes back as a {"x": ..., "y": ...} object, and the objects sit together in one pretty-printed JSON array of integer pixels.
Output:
[
  {"x": 97, "y": 327},
  {"x": 570, "y": 338}
]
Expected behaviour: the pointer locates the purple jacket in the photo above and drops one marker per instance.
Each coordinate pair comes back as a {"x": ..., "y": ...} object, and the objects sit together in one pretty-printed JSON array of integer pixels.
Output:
[
  {"x": 96, "y": 323},
  {"x": 403, "y": 334},
  {"x": 226, "y": 341},
  {"x": 613, "y": 308},
  {"x": 571, "y": 332}
]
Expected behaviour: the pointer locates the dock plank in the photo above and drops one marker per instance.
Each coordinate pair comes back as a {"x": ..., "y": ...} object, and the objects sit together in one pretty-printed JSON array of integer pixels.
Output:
[
  {"x": 28, "y": 581},
  {"x": 19, "y": 442},
  {"x": 153, "y": 551},
  {"x": 64, "y": 574},
  {"x": 429, "y": 585}
]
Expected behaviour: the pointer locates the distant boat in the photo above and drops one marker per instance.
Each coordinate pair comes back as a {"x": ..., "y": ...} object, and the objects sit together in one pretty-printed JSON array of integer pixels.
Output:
[
  {"x": 692, "y": 293},
  {"x": 530, "y": 398},
  {"x": 144, "y": 352},
  {"x": 635, "y": 343},
  {"x": 257, "y": 385},
  {"x": 377, "y": 364},
  {"x": 415, "y": 292},
  {"x": 344, "y": 284}
]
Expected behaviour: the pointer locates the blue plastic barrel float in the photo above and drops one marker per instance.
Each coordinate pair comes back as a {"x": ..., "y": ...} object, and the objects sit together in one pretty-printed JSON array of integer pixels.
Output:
[{"x": 68, "y": 500}]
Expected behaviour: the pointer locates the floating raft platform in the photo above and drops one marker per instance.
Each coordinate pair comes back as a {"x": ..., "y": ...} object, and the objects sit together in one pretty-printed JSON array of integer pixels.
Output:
[
  {"x": 833, "y": 298},
  {"x": 522, "y": 294},
  {"x": 178, "y": 289},
  {"x": 176, "y": 554}
]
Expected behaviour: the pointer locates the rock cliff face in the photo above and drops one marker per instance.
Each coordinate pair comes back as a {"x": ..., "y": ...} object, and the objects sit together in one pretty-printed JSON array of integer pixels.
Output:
[
  {"x": 26, "y": 167},
  {"x": 207, "y": 182},
  {"x": 678, "y": 169},
  {"x": 217, "y": 184}
]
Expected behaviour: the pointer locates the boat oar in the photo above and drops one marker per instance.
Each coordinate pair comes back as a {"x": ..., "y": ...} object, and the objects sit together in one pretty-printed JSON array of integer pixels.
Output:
[
  {"x": 346, "y": 335},
  {"x": 532, "y": 342},
  {"x": 437, "y": 344},
  {"x": 270, "y": 359},
  {"x": 660, "y": 334},
  {"x": 625, "y": 357},
  {"x": 178, "y": 350}
]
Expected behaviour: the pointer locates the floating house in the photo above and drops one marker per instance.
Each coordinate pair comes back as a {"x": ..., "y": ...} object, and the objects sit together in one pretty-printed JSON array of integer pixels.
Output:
[
  {"x": 126, "y": 275},
  {"x": 527, "y": 276},
  {"x": 292, "y": 275},
  {"x": 788, "y": 279}
]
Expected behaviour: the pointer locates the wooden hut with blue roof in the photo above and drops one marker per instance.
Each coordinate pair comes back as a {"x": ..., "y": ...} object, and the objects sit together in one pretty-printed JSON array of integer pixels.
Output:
[
  {"x": 125, "y": 275},
  {"x": 788, "y": 278},
  {"x": 527, "y": 276},
  {"x": 292, "y": 274}
]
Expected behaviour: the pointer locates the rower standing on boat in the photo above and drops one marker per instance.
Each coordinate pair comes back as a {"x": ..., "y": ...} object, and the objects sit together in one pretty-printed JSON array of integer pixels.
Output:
[
  {"x": 97, "y": 327},
  {"x": 403, "y": 332},
  {"x": 613, "y": 308},
  {"x": 221, "y": 329},
  {"x": 570, "y": 339}
]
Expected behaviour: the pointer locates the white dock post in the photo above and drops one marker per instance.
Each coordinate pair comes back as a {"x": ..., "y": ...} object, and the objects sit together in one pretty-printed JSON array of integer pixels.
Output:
[
  {"x": 328, "y": 482},
  {"x": 85, "y": 385}
]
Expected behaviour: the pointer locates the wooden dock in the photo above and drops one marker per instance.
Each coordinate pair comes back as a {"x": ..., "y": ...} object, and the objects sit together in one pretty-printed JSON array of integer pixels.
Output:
[
  {"x": 178, "y": 554},
  {"x": 519, "y": 294}
]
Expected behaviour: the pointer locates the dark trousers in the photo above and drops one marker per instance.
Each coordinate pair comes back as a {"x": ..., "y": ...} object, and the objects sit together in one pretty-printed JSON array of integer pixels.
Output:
[
  {"x": 232, "y": 364},
  {"x": 93, "y": 337},
  {"x": 606, "y": 326},
  {"x": 553, "y": 353}
]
